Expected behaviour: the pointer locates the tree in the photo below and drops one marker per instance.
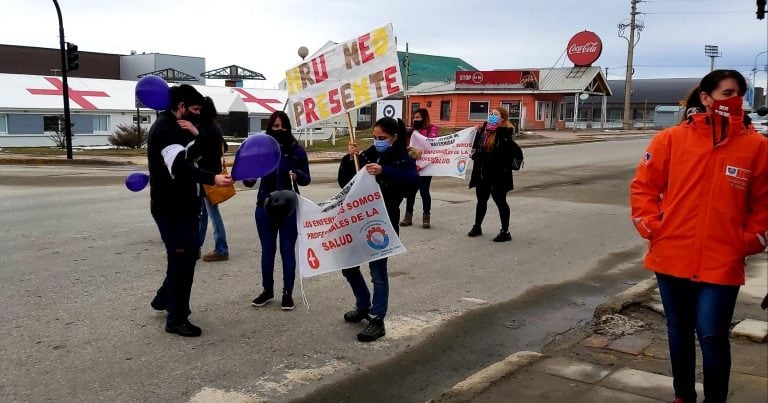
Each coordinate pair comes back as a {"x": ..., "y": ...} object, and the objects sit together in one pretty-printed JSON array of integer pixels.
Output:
[{"x": 128, "y": 136}]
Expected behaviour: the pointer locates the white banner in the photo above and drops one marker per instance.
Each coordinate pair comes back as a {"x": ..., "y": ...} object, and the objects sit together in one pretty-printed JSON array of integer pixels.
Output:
[
  {"x": 347, "y": 76},
  {"x": 445, "y": 155},
  {"x": 389, "y": 109},
  {"x": 347, "y": 230}
]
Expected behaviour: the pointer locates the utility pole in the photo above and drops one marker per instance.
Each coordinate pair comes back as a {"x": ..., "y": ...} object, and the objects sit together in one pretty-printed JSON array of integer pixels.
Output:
[
  {"x": 64, "y": 68},
  {"x": 630, "y": 54},
  {"x": 407, "y": 65}
]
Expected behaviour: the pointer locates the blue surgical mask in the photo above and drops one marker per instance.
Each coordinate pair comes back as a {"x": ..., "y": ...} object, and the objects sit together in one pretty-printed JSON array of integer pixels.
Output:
[
  {"x": 493, "y": 119},
  {"x": 381, "y": 145}
]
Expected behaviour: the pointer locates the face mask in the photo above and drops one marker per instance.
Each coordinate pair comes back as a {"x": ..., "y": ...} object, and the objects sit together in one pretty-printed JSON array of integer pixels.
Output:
[
  {"x": 381, "y": 145},
  {"x": 192, "y": 117},
  {"x": 493, "y": 119},
  {"x": 277, "y": 132},
  {"x": 418, "y": 124},
  {"x": 728, "y": 107}
]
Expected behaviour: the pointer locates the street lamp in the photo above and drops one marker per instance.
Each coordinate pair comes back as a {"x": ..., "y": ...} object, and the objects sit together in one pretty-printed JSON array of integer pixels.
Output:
[
  {"x": 754, "y": 73},
  {"x": 65, "y": 91},
  {"x": 712, "y": 52}
]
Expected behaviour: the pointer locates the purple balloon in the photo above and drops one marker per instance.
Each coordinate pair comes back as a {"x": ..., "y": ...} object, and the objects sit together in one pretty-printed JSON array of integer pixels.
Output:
[
  {"x": 136, "y": 181},
  {"x": 153, "y": 92},
  {"x": 257, "y": 157}
]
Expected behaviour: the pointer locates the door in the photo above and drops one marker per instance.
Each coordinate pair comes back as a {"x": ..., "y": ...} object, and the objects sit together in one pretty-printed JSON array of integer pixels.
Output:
[{"x": 547, "y": 112}]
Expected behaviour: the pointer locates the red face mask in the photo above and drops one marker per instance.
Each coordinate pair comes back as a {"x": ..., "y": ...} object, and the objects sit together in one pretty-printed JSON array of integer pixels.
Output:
[{"x": 728, "y": 107}]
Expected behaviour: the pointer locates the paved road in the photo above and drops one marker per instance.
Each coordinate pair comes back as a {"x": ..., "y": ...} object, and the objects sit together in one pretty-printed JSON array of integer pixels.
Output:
[{"x": 82, "y": 259}]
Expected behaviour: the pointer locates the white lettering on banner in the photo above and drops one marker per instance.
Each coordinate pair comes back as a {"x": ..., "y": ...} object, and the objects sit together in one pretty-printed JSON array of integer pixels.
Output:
[
  {"x": 347, "y": 230},
  {"x": 347, "y": 76},
  {"x": 590, "y": 47},
  {"x": 446, "y": 155}
]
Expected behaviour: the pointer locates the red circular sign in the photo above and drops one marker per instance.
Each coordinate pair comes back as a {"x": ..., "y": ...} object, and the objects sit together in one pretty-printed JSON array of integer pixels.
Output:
[{"x": 584, "y": 48}]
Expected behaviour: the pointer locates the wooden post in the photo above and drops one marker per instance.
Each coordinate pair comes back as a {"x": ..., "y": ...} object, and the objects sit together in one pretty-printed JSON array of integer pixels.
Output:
[{"x": 352, "y": 139}]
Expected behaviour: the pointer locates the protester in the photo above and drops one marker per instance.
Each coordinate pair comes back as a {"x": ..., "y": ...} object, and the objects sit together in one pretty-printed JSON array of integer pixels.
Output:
[
  {"x": 214, "y": 148},
  {"x": 493, "y": 153},
  {"x": 175, "y": 202},
  {"x": 396, "y": 175},
  {"x": 291, "y": 172},
  {"x": 700, "y": 196},
  {"x": 421, "y": 125}
]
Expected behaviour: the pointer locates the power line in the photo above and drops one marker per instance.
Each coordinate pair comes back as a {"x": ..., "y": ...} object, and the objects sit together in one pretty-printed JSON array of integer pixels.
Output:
[{"x": 699, "y": 12}]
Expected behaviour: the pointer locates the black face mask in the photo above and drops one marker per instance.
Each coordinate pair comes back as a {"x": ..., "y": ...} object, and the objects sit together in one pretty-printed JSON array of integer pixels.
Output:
[
  {"x": 418, "y": 124},
  {"x": 193, "y": 118}
]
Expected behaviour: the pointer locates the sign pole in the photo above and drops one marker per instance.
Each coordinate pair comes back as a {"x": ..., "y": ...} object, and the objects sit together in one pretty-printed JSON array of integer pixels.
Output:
[{"x": 352, "y": 139}]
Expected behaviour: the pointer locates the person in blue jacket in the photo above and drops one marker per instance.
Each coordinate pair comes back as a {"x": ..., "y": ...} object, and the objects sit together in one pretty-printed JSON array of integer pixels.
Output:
[
  {"x": 291, "y": 172},
  {"x": 396, "y": 175}
]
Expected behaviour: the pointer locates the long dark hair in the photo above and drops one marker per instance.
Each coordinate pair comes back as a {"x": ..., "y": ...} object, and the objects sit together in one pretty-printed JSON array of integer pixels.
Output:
[
  {"x": 424, "y": 116},
  {"x": 710, "y": 82},
  {"x": 394, "y": 128},
  {"x": 284, "y": 120},
  {"x": 208, "y": 111}
]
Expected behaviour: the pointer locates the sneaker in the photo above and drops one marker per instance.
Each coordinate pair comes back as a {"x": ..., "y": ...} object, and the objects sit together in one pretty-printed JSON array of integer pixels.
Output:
[
  {"x": 215, "y": 257},
  {"x": 475, "y": 231},
  {"x": 185, "y": 329},
  {"x": 355, "y": 316},
  {"x": 503, "y": 236},
  {"x": 407, "y": 220},
  {"x": 373, "y": 331},
  {"x": 158, "y": 303},
  {"x": 425, "y": 221},
  {"x": 263, "y": 298},
  {"x": 287, "y": 303}
]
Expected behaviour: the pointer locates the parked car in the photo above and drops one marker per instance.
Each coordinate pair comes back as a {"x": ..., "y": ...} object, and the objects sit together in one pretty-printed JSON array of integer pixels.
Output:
[{"x": 760, "y": 123}]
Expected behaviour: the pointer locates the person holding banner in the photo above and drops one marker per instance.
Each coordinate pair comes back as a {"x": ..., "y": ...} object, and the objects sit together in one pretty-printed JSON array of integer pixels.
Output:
[
  {"x": 175, "y": 202},
  {"x": 291, "y": 172},
  {"x": 396, "y": 175},
  {"x": 493, "y": 153},
  {"x": 423, "y": 126},
  {"x": 215, "y": 146}
]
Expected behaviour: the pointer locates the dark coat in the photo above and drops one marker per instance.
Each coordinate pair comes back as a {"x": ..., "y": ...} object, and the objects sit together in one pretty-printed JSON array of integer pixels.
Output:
[
  {"x": 398, "y": 176},
  {"x": 177, "y": 195},
  {"x": 294, "y": 158},
  {"x": 212, "y": 146},
  {"x": 494, "y": 168}
]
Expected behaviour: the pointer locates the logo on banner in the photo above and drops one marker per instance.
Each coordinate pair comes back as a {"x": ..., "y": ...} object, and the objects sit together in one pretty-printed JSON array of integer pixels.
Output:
[
  {"x": 312, "y": 260},
  {"x": 377, "y": 238},
  {"x": 461, "y": 165},
  {"x": 389, "y": 111}
]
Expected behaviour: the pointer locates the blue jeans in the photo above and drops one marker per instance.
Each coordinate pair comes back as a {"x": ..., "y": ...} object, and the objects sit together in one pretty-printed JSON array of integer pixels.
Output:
[
  {"x": 219, "y": 234},
  {"x": 706, "y": 309},
  {"x": 181, "y": 238},
  {"x": 380, "y": 288},
  {"x": 426, "y": 198},
  {"x": 268, "y": 230}
]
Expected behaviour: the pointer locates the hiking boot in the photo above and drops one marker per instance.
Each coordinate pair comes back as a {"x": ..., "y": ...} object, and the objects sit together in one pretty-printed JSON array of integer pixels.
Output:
[
  {"x": 373, "y": 331},
  {"x": 425, "y": 221},
  {"x": 355, "y": 316},
  {"x": 475, "y": 231},
  {"x": 185, "y": 329},
  {"x": 503, "y": 236},
  {"x": 287, "y": 303},
  {"x": 407, "y": 220},
  {"x": 263, "y": 298},
  {"x": 215, "y": 257},
  {"x": 158, "y": 303}
]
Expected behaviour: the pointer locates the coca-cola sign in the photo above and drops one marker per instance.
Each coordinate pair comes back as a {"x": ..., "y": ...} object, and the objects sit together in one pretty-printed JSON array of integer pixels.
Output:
[{"x": 584, "y": 48}]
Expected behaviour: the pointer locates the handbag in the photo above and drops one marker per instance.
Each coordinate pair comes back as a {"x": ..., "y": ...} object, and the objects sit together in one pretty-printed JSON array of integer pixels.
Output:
[{"x": 219, "y": 194}]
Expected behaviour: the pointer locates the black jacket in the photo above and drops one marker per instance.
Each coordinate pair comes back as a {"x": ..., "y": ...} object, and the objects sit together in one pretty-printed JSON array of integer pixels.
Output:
[
  {"x": 398, "y": 176},
  {"x": 177, "y": 196},
  {"x": 212, "y": 147},
  {"x": 494, "y": 168}
]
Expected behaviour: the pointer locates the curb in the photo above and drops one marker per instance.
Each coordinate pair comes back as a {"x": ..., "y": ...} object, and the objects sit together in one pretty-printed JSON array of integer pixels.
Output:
[
  {"x": 481, "y": 380},
  {"x": 626, "y": 298},
  {"x": 55, "y": 161}
]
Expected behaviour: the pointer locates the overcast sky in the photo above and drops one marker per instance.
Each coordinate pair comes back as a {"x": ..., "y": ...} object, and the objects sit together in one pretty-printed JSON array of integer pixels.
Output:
[{"x": 264, "y": 35}]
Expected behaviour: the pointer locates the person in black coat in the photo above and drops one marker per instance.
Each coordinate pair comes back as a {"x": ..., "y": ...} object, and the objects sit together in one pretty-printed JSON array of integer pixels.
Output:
[
  {"x": 396, "y": 175},
  {"x": 493, "y": 155},
  {"x": 175, "y": 202},
  {"x": 213, "y": 148}
]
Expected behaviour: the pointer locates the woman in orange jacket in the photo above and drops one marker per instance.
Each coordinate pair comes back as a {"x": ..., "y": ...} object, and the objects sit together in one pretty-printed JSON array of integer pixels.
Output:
[{"x": 700, "y": 196}]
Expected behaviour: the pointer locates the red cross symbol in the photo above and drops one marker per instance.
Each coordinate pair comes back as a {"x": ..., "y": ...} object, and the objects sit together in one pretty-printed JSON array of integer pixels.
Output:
[
  {"x": 312, "y": 260},
  {"x": 75, "y": 95},
  {"x": 247, "y": 97}
]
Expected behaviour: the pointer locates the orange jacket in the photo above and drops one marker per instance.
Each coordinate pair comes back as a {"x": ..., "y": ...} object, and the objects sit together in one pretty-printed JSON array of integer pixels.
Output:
[{"x": 703, "y": 207}]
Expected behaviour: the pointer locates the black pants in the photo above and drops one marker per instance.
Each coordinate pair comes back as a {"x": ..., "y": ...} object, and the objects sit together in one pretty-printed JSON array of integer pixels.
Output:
[
  {"x": 181, "y": 236},
  {"x": 426, "y": 198},
  {"x": 484, "y": 192}
]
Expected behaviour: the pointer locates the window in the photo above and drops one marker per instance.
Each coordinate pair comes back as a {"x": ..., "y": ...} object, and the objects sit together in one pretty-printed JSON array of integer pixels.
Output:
[
  {"x": 3, "y": 124},
  {"x": 513, "y": 107},
  {"x": 144, "y": 119},
  {"x": 100, "y": 124},
  {"x": 53, "y": 123},
  {"x": 478, "y": 110},
  {"x": 445, "y": 110},
  {"x": 414, "y": 107}
]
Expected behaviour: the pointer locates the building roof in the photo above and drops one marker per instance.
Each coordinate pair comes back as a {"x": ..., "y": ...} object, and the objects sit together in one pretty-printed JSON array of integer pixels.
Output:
[
  {"x": 654, "y": 90},
  {"x": 552, "y": 80},
  {"x": 43, "y": 93},
  {"x": 430, "y": 68}
]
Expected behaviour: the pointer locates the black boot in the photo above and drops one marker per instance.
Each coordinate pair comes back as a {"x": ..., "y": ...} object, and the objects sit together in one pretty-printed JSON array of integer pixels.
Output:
[{"x": 475, "y": 231}]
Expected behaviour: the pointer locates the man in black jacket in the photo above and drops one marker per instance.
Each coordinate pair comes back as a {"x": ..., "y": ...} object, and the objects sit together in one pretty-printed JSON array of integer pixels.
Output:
[{"x": 175, "y": 202}]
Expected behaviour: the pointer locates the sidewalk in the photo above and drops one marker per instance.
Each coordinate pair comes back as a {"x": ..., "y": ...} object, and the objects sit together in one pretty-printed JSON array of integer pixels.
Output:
[
  {"x": 622, "y": 355},
  {"x": 529, "y": 139}
]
